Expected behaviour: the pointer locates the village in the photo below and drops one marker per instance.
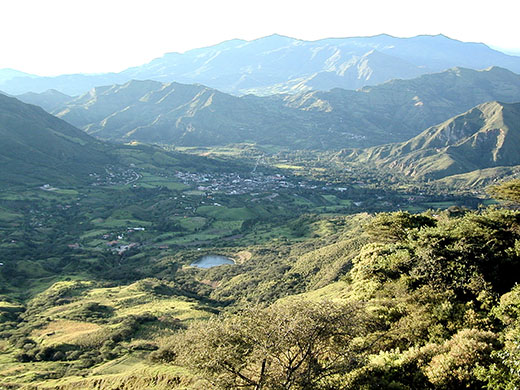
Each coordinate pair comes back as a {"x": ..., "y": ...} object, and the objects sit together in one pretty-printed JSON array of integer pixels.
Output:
[
  {"x": 115, "y": 176},
  {"x": 190, "y": 201},
  {"x": 234, "y": 183},
  {"x": 253, "y": 184}
]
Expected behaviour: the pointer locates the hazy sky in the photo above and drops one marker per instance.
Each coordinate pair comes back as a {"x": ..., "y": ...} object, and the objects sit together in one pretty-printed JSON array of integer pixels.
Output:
[{"x": 50, "y": 37}]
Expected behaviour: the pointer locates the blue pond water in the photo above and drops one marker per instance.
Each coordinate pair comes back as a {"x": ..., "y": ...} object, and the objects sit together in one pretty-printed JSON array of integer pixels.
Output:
[{"x": 209, "y": 261}]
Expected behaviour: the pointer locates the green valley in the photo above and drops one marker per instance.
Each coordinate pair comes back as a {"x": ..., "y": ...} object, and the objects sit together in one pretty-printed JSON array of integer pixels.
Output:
[
  {"x": 96, "y": 276},
  {"x": 277, "y": 233}
]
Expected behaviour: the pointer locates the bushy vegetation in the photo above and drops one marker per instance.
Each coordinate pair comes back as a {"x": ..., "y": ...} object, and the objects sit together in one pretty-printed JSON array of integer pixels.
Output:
[
  {"x": 297, "y": 345},
  {"x": 431, "y": 302}
]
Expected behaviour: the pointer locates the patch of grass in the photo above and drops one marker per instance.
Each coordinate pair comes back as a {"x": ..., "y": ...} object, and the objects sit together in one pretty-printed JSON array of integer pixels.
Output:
[
  {"x": 63, "y": 191},
  {"x": 191, "y": 238},
  {"x": 191, "y": 223},
  {"x": 151, "y": 181},
  {"x": 111, "y": 223},
  {"x": 129, "y": 372},
  {"x": 332, "y": 292},
  {"x": 94, "y": 233},
  {"x": 177, "y": 308},
  {"x": 290, "y": 167},
  {"x": 171, "y": 185},
  {"x": 301, "y": 201},
  {"x": 226, "y": 214},
  {"x": 226, "y": 225},
  {"x": 194, "y": 192},
  {"x": 8, "y": 216},
  {"x": 439, "y": 205},
  {"x": 64, "y": 331}
]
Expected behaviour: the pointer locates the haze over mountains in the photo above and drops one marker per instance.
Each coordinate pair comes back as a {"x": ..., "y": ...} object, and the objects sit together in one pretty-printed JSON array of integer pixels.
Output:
[
  {"x": 8, "y": 74},
  {"x": 192, "y": 115},
  {"x": 277, "y": 64}
]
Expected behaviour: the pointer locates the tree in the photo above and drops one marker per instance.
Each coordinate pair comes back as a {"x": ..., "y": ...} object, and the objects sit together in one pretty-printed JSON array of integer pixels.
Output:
[
  {"x": 454, "y": 368},
  {"x": 504, "y": 373},
  {"x": 510, "y": 190},
  {"x": 392, "y": 227},
  {"x": 295, "y": 345}
]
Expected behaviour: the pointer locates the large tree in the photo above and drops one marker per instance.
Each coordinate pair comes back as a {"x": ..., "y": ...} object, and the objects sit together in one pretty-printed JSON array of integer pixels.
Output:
[
  {"x": 509, "y": 190},
  {"x": 294, "y": 345}
]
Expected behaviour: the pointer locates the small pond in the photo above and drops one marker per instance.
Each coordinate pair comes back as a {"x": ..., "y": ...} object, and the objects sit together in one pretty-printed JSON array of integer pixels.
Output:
[{"x": 209, "y": 261}]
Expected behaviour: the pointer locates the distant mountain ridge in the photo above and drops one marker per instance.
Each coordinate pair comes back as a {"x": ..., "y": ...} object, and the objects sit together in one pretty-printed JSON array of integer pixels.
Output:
[
  {"x": 278, "y": 64},
  {"x": 154, "y": 112},
  {"x": 49, "y": 100},
  {"x": 8, "y": 74},
  {"x": 486, "y": 136},
  {"x": 195, "y": 115}
]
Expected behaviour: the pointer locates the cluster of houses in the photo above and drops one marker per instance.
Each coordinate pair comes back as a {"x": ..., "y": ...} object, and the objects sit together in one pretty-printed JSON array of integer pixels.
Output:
[
  {"x": 115, "y": 245},
  {"x": 119, "y": 247},
  {"x": 115, "y": 176},
  {"x": 234, "y": 183}
]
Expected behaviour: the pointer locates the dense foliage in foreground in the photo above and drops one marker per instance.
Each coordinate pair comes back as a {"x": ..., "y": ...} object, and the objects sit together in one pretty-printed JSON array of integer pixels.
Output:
[
  {"x": 431, "y": 302},
  {"x": 391, "y": 301}
]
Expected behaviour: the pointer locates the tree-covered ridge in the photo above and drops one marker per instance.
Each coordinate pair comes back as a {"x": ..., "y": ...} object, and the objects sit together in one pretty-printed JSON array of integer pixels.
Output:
[{"x": 432, "y": 302}]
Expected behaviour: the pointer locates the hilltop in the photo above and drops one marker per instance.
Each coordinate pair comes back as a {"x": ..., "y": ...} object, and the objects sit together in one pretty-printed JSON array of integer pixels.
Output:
[{"x": 49, "y": 100}]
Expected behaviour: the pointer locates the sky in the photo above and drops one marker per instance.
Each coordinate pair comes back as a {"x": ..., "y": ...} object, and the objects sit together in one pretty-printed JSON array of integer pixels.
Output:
[{"x": 51, "y": 37}]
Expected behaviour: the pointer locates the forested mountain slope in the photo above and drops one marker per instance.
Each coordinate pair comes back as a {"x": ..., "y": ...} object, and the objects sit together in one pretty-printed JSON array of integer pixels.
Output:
[{"x": 36, "y": 146}]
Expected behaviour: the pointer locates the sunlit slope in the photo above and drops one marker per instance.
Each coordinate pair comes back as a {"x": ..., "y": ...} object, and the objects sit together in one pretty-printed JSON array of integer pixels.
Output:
[{"x": 486, "y": 136}]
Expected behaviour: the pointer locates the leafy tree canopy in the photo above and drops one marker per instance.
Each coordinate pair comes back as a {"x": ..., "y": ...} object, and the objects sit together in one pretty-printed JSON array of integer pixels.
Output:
[
  {"x": 509, "y": 190},
  {"x": 294, "y": 345}
]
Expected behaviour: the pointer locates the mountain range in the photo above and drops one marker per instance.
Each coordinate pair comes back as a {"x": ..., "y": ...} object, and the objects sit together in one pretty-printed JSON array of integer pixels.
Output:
[
  {"x": 279, "y": 64},
  {"x": 377, "y": 93},
  {"x": 195, "y": 115}
]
